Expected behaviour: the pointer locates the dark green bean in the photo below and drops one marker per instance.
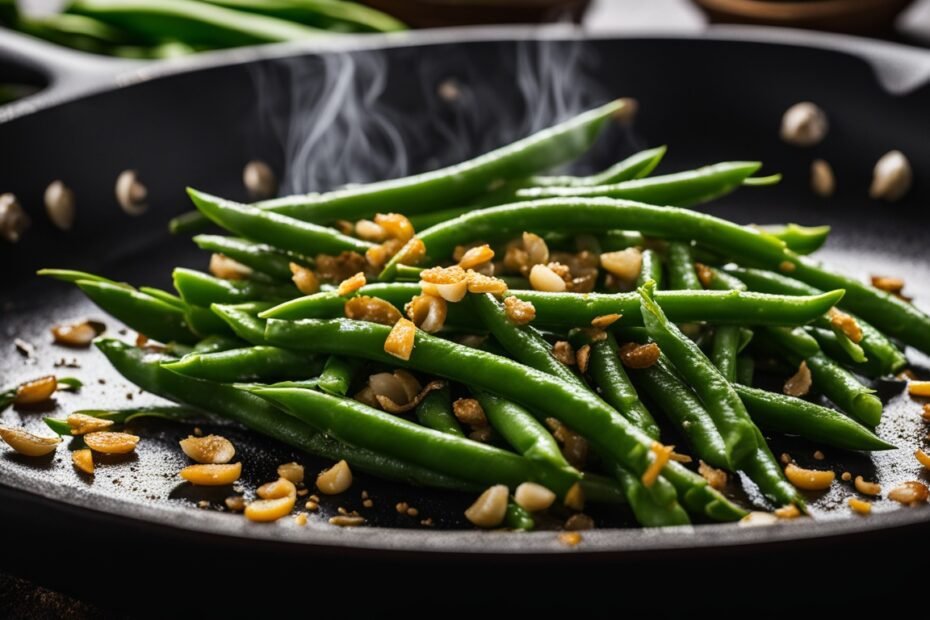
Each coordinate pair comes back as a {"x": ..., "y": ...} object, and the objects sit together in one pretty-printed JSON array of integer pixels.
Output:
[
  {"x": 651, "y": 269},
  {"x": 681, "y": 272},
  {"x": 614, "y": 240},
  {"x": 215, "y": 344},
  {"x": 143, "y": 313},
  {"x": 243, "y": 319},
  {"x": 801, "y": 239},
  {"x": 204, "y": 322},
  {"x": 124, "y": 416},
  {"x": 648, "y": 510},
  {"x": 635, "y": 166},
  {"x": 724, "y": 351},
  {"x": 435, "y": 412},
  {"x": 258, "y": 256},
  {"x": 260, "y": 363},
  {"x": 745, "y": 372},
  {"x": 337, "y": 375},
  {"x": 334, "y": 15},
  {"x": 518, "y": 519},
  {"x": 201, "y": 289},
  {"x": 833, "y": 347}
]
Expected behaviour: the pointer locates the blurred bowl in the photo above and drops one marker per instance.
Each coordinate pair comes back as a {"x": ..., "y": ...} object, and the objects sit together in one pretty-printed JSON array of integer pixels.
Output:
[
  {"x": 874, "y": 17},
  {"x": 439, "y": 13}
]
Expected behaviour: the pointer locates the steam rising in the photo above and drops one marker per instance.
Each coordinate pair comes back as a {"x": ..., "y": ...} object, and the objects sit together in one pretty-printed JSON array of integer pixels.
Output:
[{"x": 356, "y": 117}]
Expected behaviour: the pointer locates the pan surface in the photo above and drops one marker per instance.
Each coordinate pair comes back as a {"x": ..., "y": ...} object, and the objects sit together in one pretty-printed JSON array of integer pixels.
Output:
[{"x": 384, "y": 107}]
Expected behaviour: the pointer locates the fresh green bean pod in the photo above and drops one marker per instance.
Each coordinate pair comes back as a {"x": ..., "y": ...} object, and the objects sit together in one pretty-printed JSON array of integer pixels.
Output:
[
  {"x": 540, "y": 393},
  {"x": 522, "y": 431},
  {"x": 360, "y": 425},
  {"x": 204, "y": 322},
  {"x": 764, "y": 470},
  {"x": 201, "y": 289},
  {"x": 635, "y": 166},
  {"x": 518, "y": 519},
  {"x": 793, "y": 416},
  {"x": 144, "y": 369},
  {"x": 243, "y": 319},
  {"x": 435, "y": 412},
  {"x": 260, "y": 363},
  {"x": 215, "y": 344},
  {"x": 651, "y": 269},
  {"x": 648, "y": 510},
  {"x": 124, "y": 416},
  {"x": 169, "y": 298},
  {"x": 724, "y": 350},
  {"x": 834, "y": 347},
  {"x": 745, "y": 373},
  {"x": 682, "y": 188},
  {"x": 75, "y": 31},
  {"x": 337, "y": 375},
  {"x": 258, "y": 256},
  {"x": 334, "y": 15},
  {"x": 143, "y": 313},
  {"x": 614, "y": 240},
  {"x": 681, "y": 272},
  {"x": 801, "y": 239}
]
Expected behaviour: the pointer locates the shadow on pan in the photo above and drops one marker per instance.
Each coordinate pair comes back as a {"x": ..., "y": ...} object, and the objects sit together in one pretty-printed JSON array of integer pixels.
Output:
[{"x": 323, "y": 119}]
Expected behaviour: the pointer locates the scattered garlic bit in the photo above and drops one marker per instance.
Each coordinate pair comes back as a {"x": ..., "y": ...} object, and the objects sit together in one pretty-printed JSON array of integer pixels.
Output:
[
  {"x": 345, "y": 227},
  {"x": 562, "y": 350},
  {"x": 13, "y": 220},
  {"x": 278, "y": 499},
  {"x": 680, "y": 458},
  {"x": 579, "y": 522},
  {"x": 910, "y": 493},
  {"x": 209, "y": 449},
  {"x": 401, "y": 340},
  {"x": 226, "y": 268},
  {"x": 304, "y": 279},
  {"x": 350, "y": 285},
  {"x": 542, "y": 278},
  {"x": 412, "y": 252},
  {"x": 804, "y": 124},
  {"x": 259, "y": 180},
  {"x": 625, "y": 265},
  {"x": 490, "y": 508},
  {"x": 918, "y": 388},
  {"x": 716, "y": 478},
  {"x": 788, "y": 512},
  {"x": 923, "y": 458},
  {"x": 859, "y": 506},
  {"x": 395, "y": 225},
  {"x": 131, "y": 194},
  {"x": 449, "y": 90},
  {"x": 347, "y": 520},
  {"x": 291, "y": 471},
  {"x": 338, "y": 268},
  {"x": 483, "y": 434},
  {"x": 823, "y": 183},
  {"x": 480, "y": 283},
  {"x": 236, "y": 503},
  {"x": 282, "y": 487},
  {"x": 533, "y": 497},
  {"x": 889, "y": 284},
  {"x": 77, "y": 334},
  {"x": 301, "y": 519},
  {"x": 111, "y": 443},
  {"x": 407, "y": 403},
  {"x": 312, "y": 505},
  {"x": 537, "y": 251},
  {"x": 891, "y": 177},
  {"x": 476, "y": 256},
  {"x": 519, "y": 312},
  {"x": 83, "y": 460},
  {"x": 371, "y": 309},
  {"x": 846, "y": 324},
  {"x": 661, "y": 457},
  {"x": 626, "y": 114},
  {"x": 28, "y": 444},
  {"x": 925, "y": 414},
  {"x": 819, "y": 455},
  {"x": 571, "y": 539},
  {"x": 369, "y": 231},
  {"x": 785, "y": 458},
  {"x": 574, "y": 497},
  {"x": 469, "y": 411},
  {"x": 449, "y": 283},
  {"x": 378, "y": 255},
  {"x": 606, "y": 320},
  {"x": 82, "y": 424},
  {"x": 799, "y": 384},
  {"x": 867, "y": 488},
  {"x": 809, "y": 479},
  {"x": 846, "y": 477},
  {"x": 400, "y": 387},
  {"x": 705, "y": 274},
  {"x": 212, "y": 475},
  {"x": 634, "y": 355},
  {"x": 59, "y": 204},
  {"x": 36, "y": 391},
  {"x": 583, "y": 356},
  {"x": 758, "y": 518},
  {"x": 337, "y": 479}
]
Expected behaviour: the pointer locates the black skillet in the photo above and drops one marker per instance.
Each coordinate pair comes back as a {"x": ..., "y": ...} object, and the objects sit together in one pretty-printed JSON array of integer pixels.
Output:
[{"x": 363, "y": 108}]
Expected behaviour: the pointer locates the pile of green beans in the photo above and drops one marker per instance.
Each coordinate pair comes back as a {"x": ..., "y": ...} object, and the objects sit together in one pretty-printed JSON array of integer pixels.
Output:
[
  {"x": 670, "y": 346},
  {"x": 167, "y": 28}
]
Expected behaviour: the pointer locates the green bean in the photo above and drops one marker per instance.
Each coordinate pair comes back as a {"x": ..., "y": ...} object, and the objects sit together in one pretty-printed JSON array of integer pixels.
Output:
[
  {"x": 518, "y": 519},
  {"x": 651, "y": 269},
  {"x": 522, "y": 431},
  {"x": 139, "y": 311},
  {"x": 435, "y": 412},
  {"x": 194, "y": 23},
  {"x": 144, "y": 369},
  {"x": 215, "y": 344},
  {"x": 334, "y": 15},
  {"x": 745, "y": 372},
  {"x": 75, "y": 31},
  {"x": 539, "y": 392},
  {"x": 358, "y": 424},
  {"x": 607, "y": 372},
  {"x": 201, "y": 289},
  {"x": 337, "y": 375},
  {"x": 764, "y": 470},
  {"x": 243, "y": 319},
  {"x": 453, "y": 185},
  {"x": 681, "y": 272},
  {"x": 874, "y": 344},
  {"x": 683, "y": 408},
  {"x": 593, "y": 215},
  {"x": 124, "y": 416},
  {"x": 281, "y": 231},
  {"x": 72, "y": 276},
  {"x": 259, "y": 363},
  {"x": 801, "y": 239},
  {"x": 795, "y": 340},
  {"x": 682, "y": 188},
  {"x": 614, "y": 240},
  {"x": 793, "y": 416},
  {"x": 204, "y": 322},
  {"x": 714, "y": 390},
  {"x": 834, "y": 347},
  {"x": 258, "y": 256},
  {"x": 648, "y": 510},
  {"x": 169, "y": 298},
  {"x": 832, "y": 380},
  {"x": 635, "y": 166},
  {"x": 725, "y": 347}
]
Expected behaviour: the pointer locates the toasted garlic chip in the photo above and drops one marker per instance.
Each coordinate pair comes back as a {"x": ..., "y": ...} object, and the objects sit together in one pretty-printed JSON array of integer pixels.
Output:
[
  {"x": 212, "y": 475},
  {"x": 294, "y": 472},
  {"x": 28, "y": 444},
  {"x": 259, "y": 179},
  {"x": 823, "y": 183},
  {"x": 490, "y": 508},
  {"x": 213, "y": 449},
  {"x": 809, "y": 479},
  {"x": 804, "y": 124},
  {"x": 76, "y": 334},
  {"x": 59, "y": 204},
  {"x": 83, "y": 460},
  {"x": 533, "y": 497},
  {"x": 82, "y": 424},
  {"x": 13, "y": 219},
  {"x": 111, "y": 443},
  {"x": 337, "y": 479},
  {"x": 892, "y": 177},
  {"x": 131, "y": 194},
  {"x": 867, "y": 488},
  {"x": 36, "y": 391},
  {"x": 859, "y": 506}
]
